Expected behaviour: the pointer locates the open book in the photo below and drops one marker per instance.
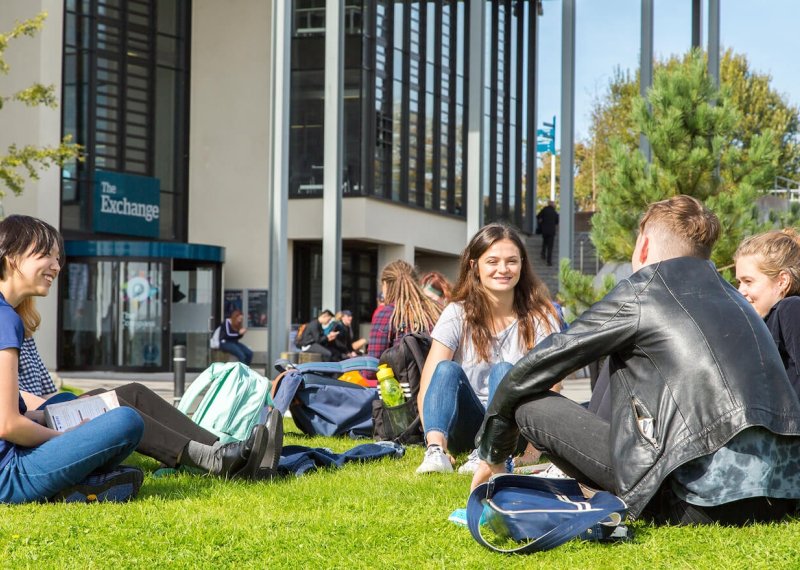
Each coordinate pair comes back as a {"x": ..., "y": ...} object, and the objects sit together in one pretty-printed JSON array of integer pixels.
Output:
[{"x": 65, "y": 415}]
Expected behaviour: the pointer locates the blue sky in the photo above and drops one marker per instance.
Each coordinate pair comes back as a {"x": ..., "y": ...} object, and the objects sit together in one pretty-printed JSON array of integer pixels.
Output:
[{"x": 607, "y": 36}]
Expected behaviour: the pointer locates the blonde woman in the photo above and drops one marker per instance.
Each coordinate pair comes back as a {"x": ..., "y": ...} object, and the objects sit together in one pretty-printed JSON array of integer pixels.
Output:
[{"x": 768, "y": 270}]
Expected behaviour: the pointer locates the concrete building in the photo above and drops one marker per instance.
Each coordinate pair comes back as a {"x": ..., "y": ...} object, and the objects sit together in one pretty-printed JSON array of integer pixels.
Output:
[{"x": 168, "y": 221}]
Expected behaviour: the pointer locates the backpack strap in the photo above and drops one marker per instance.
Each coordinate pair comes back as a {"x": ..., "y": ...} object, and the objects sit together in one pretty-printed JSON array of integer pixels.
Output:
[
  {"x": 604, "y": 506},
  {"x": 288, "y": 382},
  {"x": 413, "y": 346},
  {"x": 199, "y": 385}
]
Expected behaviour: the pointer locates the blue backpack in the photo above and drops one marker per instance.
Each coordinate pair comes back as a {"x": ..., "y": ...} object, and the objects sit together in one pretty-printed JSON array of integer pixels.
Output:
[
  {"x": 322, "y": 405},
  {"x": 236, "y": 398}
]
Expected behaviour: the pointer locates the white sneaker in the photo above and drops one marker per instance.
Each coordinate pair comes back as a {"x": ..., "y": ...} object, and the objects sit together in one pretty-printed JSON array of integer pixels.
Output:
[
  {"x": 552, "y": 472},
  {"x": 435, "y": 461},
  {"x": 471, "y": 465}
]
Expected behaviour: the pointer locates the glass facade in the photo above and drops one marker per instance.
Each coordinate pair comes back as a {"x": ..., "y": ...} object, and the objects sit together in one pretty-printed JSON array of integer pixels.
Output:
[
  {"x": 405, "y": 103},
  {"x": 359, "y": 288},
  {"x": 124, "y": 99}
]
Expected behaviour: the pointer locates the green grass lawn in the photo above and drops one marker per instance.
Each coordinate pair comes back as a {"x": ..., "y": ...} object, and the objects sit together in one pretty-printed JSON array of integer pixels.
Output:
[{"x": 376, "y": 515}]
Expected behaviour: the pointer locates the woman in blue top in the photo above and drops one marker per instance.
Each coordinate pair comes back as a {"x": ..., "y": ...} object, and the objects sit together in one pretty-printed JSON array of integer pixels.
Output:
[{"x": 38, "y": 463}]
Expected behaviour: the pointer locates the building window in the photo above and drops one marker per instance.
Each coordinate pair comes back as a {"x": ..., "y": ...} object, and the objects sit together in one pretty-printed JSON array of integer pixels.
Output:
[
  {"x": 126, "y": 67},
  {"x": 359, "y": 282}
]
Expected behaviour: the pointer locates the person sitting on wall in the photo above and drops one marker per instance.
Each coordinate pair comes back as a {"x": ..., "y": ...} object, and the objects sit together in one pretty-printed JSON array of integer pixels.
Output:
[
  {"x": 230, "y": 332},
  {"x": 314, "y": 339}
]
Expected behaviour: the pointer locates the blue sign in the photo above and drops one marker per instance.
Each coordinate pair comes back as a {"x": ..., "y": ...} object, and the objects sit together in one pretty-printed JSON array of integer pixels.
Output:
[{"x": 126, "y": 204}]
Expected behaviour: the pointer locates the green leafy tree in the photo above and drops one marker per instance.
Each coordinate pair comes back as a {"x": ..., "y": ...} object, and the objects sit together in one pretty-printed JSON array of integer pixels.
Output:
[
  {"x": 699, "y": 148},
  {"x": 21, "y": 161}
]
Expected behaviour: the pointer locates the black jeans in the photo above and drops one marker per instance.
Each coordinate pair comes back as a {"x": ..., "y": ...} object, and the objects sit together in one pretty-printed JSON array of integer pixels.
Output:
[
  {"x": 577, "y": 441},
  {"x": 547, "y": 247},
  {"x": 167, "y": 431}
]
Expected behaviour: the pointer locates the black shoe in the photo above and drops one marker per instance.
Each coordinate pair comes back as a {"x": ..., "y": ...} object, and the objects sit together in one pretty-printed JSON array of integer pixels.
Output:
[
  {"x": 117, "y": 486},
  {"x": 235, "y": 456},
  {"x": 268, "y": 469},
  {"x": 253, "y": 448}
]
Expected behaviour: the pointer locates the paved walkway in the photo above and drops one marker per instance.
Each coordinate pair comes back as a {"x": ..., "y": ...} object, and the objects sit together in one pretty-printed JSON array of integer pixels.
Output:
[{"x": 162, "y": 383}]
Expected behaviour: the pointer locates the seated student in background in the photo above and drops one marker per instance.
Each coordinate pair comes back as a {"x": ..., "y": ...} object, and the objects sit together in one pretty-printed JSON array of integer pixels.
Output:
[
  {"x": 346, "y": 346},
  {"x": 768, "y": 270},
  {"x": 436, "y": 288},
  {"x": 313, "y": 337},
  {"x": 36, "y": 462},
  {"x": 230, "y": 334},
  {"x": 500, "y": 309},
  {"x": 705, "y": 426},
  {"x": 406, "y": 308}
]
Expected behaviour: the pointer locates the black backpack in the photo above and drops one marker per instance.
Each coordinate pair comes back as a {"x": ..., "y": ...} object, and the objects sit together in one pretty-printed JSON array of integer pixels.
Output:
[{"x": 402, "y": 423}]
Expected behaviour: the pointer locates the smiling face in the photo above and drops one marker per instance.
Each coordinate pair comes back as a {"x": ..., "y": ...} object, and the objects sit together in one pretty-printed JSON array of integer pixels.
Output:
[
  {"x": 759, "y": 289},
  {"x": 34, "y": 274},
  {"x": 500, "y": 266}
]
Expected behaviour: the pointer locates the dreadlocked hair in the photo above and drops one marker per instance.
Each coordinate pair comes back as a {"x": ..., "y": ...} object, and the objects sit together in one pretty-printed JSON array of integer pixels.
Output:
[
  {"x": 413, "y": 311},
  {"x": 532, "y": 301}
]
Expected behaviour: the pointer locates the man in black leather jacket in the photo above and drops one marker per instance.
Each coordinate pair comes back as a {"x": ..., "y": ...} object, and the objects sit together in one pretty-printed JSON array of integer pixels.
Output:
[{"x": 705, "y": 426}]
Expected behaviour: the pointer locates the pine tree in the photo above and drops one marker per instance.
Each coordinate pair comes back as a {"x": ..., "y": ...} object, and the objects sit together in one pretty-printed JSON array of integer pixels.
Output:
[{"x": 698, "y": 147}]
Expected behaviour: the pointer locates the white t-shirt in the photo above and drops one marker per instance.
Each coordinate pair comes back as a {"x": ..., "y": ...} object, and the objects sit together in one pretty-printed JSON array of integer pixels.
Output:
[{"x": 506, "y": 347}]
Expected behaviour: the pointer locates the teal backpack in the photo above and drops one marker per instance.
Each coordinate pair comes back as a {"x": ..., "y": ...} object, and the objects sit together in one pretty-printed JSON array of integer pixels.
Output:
[{"x": 235, "y": 399}]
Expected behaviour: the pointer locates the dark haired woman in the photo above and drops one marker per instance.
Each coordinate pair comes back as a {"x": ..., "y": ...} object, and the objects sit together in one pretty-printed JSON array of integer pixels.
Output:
[
  {"x": 500, "y": 309},
  {"x": 38, "y": 463}
]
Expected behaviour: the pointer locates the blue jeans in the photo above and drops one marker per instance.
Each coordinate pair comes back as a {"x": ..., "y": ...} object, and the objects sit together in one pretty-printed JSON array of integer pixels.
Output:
[
  {"x": 239, "y": 350},
  {"x": 38, "y": 473},
  {"x": 451, "y": 406}
]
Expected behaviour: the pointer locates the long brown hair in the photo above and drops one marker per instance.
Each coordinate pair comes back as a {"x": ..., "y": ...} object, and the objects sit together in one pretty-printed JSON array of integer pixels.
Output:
[
  {"x": 532, "y": 302},
  {"x": 778, "y": 250},
  {"x": 413, "y": 311}
]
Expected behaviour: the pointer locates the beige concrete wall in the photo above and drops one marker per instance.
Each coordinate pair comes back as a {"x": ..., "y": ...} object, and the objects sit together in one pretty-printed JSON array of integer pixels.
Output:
[
  {"x": 229, "y": 139},
  {"x": 32, "y": 60}
]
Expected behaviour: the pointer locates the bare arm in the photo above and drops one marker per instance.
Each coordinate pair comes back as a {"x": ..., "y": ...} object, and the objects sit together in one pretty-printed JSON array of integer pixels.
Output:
[
  {"x": 15, "y": 427},
  {"x": 437, "y": 353},
  {"x": 32, "y": 401}
]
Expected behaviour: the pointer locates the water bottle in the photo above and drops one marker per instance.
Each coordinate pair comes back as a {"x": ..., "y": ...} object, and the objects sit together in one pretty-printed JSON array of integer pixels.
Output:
[{"x": 391, "y": 392}]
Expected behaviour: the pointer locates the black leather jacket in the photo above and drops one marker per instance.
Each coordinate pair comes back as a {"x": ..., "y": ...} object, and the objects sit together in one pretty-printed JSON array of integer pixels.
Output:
[{"x": 686, "y": 349}]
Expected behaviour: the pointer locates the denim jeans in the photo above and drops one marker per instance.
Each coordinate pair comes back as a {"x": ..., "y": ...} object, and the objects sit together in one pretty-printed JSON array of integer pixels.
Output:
[
  {"x": 451, "y": 406},
  {"x": 38, "y": 473},
  {"x": 239, "y": 350}
]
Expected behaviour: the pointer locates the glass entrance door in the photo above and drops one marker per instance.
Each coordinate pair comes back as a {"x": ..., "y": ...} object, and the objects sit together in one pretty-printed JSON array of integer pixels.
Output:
[
  {"x": 193, "y": 314},
  {"x": 115, "y": 315}
]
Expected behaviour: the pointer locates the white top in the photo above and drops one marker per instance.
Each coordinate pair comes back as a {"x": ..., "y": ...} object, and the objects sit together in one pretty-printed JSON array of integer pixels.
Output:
[{"x": 506, "y": 347}]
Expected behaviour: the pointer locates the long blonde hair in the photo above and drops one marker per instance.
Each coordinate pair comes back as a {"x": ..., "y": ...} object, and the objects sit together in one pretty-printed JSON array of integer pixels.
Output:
[
  {"x": 413, "y": 311},
  {"x": 778, "y": 250},
  {"x": 31, "y": 318}
]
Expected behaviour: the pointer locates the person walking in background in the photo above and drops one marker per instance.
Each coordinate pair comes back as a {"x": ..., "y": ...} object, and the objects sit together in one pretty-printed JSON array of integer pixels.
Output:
[
  {"x": 768, "y": 270},
  {"x": 406, "y": 310},
  {"x": 230, "y": 334},
  {"x": 547, "y": 220},
  {"x": 500, "y": 310},
  {"x": 436, "y": 287}
]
